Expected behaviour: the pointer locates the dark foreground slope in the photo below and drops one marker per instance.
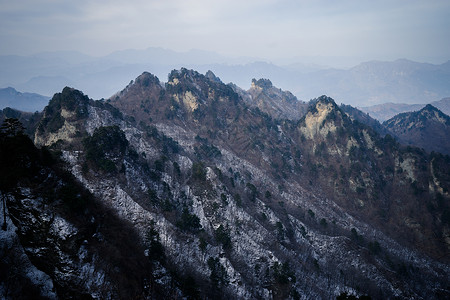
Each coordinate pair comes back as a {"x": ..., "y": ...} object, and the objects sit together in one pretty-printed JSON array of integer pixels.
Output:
[
  {"x": 58, "y": 240},
  {"x": 230, "y": 201}
]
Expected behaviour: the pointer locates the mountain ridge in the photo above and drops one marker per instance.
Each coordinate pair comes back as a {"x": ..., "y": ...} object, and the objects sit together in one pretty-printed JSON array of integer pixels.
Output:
[
  {"x": 230, "y": 201},
  {"x": 427, "y": 128}
]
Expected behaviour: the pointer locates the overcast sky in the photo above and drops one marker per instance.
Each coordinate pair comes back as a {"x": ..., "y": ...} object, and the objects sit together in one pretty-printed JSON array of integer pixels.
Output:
[{"x": 269, "y": 29}]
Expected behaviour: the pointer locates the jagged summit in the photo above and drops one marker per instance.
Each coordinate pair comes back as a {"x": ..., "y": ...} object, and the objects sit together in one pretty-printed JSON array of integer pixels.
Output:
[
  {"x": 192, "y": 90},
  {"x": 434, "y": 113},
  {"x": 429, "y": 107},
  {"x": 262, "y": 83},
  {"x": 420, "y": 119},
  {"x": 69, "y": 105},
  {"x": 186, "y": 75},
  {"x": 64, "y": 118},
  {"x": 325, "y": 112},
  {"x": 323, "y": 101},
  {"x": 144, "y": 83},
  {"x": 147, "y": 79},
  {"x": 323, "y": 116},
  {"x": 69, "y": 96}
]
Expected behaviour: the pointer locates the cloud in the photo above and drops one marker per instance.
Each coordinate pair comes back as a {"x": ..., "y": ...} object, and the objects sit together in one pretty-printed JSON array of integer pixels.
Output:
[{"x": 266, "y": 28}]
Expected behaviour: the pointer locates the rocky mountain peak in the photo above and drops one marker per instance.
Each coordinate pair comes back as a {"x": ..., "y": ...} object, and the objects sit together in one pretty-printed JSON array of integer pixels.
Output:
[
  {"x": 428, "y": 128},
  {"x": 192, "y": 86},
  {"x": 429, "y": 107},
  {"x": 64, "y": 109},
  {"x": 320, "y": 111},
  {"x": 365, "y": 118},
  {"x": 185, "y": 76},
  {"x": 261, "y": 83},
  {"x": 324, "y": 100},
  {"x": 144, "y": 83},
  {"x": 69, "y": 98},
  {"x": 147, "y": 79},
  {"x": 433, "y": 113},
  {"x": 420, "y": 118}
]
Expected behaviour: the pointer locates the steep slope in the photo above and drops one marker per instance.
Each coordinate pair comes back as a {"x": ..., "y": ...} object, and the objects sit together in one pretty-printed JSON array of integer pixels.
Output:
[
  {"x": 230, "y": 202},
  {"x": 376, "y": 178},
  {"x": 58, "y": 241},
  {"x": 364, "y": 118},
  {"x": 325, "y": 142},
  {"x": 428, "y": 128}
]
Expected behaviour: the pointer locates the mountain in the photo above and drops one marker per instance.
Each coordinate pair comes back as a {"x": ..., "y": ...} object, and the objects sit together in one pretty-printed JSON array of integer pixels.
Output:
[
  {"x": 29, "y": 102},
  {"x": 185, "y": 189},
  {"x": 385, "y": 111},
  {"x": 428, "y": 128}
]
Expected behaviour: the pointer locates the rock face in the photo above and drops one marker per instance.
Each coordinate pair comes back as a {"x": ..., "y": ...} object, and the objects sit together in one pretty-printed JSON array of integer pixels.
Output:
[
  {"x": 428, "y": 128},
  {"x": 58, "y": 241},
  {"x": 223, "y": 198}
]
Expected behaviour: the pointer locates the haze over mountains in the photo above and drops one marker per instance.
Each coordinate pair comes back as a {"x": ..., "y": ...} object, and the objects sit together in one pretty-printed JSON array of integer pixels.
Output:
[
  {"x": 385, "y": 111},
  {"x": 369, "y": 83},
  {"x": 29, "y": 102}
]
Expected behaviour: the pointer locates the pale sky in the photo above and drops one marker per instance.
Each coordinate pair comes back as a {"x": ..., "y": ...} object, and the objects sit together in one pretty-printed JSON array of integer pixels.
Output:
[{"x": 269, "y": 29}]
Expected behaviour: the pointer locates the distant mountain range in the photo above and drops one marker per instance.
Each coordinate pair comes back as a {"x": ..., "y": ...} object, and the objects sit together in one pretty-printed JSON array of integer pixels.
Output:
[
  {"x": 369, "y": 83},
  {"x": 29, "y": 102}
]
